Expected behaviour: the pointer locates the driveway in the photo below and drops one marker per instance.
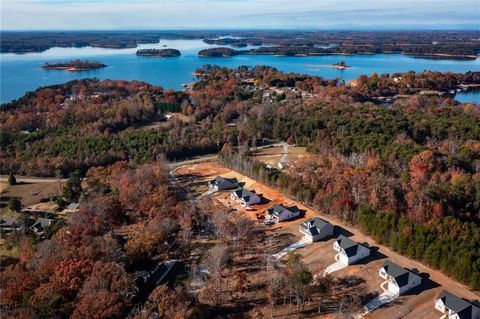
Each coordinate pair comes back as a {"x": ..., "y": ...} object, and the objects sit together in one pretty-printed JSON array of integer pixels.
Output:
[
  {"x": 384, "y": 298},
  {"x": 301, "y": 243},
  {"x": 334, "y": 267}
]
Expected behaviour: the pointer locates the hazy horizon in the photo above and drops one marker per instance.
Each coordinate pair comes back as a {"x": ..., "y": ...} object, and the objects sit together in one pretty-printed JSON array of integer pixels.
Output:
[{"x": 106, "y": 15}]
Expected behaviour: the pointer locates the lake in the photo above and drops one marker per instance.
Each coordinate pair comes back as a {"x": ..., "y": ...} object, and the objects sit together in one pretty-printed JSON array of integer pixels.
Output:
[{"x": 22, "y": 72}]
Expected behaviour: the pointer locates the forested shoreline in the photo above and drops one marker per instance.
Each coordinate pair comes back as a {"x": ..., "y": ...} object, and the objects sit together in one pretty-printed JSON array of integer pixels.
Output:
[
  {"x": 407, "y": 173},
  {"x": 439, "y": 43}
]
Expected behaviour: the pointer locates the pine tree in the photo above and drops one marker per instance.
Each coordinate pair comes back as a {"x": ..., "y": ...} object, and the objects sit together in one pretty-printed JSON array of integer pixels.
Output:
[{"x": 12, "y": 180}]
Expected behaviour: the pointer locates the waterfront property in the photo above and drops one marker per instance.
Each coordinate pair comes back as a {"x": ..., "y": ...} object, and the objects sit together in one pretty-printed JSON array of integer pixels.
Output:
[
  {"x": 316, "y": 229},
  {"x": 454, "y": 307},
  {"x": 350, "y": 251},
  {"x": 399, "y": 279}
]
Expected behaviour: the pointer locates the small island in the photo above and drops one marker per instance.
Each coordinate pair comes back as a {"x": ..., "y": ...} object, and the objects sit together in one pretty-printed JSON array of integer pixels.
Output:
[
  {"x": 220, "y": 52},
  {"x": 341, "y": 65},
  {"x": 159, "y": 53},
  {"x": 74, "y": 66}
]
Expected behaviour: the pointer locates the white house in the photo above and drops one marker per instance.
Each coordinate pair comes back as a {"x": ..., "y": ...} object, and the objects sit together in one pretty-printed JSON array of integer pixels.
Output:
[
  {"x": 220, "y": 183},
  {"x": 280, "y": 213},
  {"x": 245, "y": 197},
  {"x": 316, "y": 229},
  {"x": 72, "y": 208},
  {"x": 350, "y": 251},
  {"x": 456, "y": 308},
  {"x": 400, "y": 280}
]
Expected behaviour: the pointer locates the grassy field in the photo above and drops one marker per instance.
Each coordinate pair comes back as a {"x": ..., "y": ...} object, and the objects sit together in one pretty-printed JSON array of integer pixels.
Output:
[{"x": 31, "y": 193}]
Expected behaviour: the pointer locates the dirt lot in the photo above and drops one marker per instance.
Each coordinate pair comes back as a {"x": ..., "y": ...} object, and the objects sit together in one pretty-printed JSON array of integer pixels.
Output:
[
  {"x": 416, "y": 304},
  {"x": 272, "y": 155},
  {"x": 31, "y": 193}
]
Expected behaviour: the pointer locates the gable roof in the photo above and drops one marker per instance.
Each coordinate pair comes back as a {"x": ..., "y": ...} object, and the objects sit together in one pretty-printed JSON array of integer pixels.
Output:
[
  {"x": 400, "y": 274},
  {"x": 349, "y": 246},
  {"x": 8, "y": 221},
  {"x": 42, "y": 222},
  {"x": 314, "y": 225},
  {"x": 245, "y": 194},
  {"x": 73, "y": 206},
  {"x": 276, "y": 210},
  {"x": 164, "y": 272},
  {"x": 464, "y": 308},
  {"x": 221, "y": 180}
]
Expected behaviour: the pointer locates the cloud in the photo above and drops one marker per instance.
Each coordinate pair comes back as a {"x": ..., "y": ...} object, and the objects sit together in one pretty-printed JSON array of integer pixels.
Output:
[{"x": 244, "y": 14}]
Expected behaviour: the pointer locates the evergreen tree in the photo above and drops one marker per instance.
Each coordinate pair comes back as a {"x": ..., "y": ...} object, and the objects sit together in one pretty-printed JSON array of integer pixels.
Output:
[
  {"x": 14, "y": 204},
  {"x": 73, "y": 188},
  {"x": 12, "y": 180}
]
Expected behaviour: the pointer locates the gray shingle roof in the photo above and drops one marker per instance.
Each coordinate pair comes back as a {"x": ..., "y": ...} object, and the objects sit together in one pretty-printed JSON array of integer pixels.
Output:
[
  {"x": 8, "y": 221},
  {"x": 400, "y": 274},
  {"x": 73, "y": 206},
  {"x": 277, "y": 209},
  {"x": 222, "y": 180},
  {"x": 349, "y": 246},
  {"x": 314, "y": 225},
  {"x": 464, "y": 308},
  {"x": 245, "y": 194}
]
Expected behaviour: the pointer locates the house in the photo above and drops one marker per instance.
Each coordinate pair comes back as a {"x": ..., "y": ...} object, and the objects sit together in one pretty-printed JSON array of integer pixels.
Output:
[
  {"x": 245, "y": 197},
  {"x": 350, "y": 251},
  {"x": 280, "y": 213},
  {"x": 164, "y": 273},
  {"x": 72, "y": 208},
  {"x": 40, "y": 224},
  {"x": 400, "y": 280},
  {"x": 9, "y": 224},
  {"x": 456, "y": 308},
  {"x": 316, "y": 229},
  {"x": 220, "y": 183}
]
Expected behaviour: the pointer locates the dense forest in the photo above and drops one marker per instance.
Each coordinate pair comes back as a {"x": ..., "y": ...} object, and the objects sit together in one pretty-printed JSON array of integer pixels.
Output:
[
  {"x": 407, "y": 172},
  {"x": 74, "y": 65},
  {"x": 87, "y": 270},
  {"x": 454, "y": 43},
  {"x": 159, "y": 52}
]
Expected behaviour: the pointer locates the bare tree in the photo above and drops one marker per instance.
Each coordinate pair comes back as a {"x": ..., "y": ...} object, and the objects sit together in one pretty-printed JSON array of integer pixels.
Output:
[{"x": 216, "y": 261}]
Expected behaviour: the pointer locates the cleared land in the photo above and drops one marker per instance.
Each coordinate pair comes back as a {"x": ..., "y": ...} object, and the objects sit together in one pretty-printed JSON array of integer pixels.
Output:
[
  {"x": 418, "y": 303},
  {"x": 271, "y": 155},
  {"x": 32, "y": 192}
]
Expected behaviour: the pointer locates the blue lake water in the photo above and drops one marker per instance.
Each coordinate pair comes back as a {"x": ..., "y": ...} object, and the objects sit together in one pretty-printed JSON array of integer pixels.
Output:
[{"x": 22, "y": 73}]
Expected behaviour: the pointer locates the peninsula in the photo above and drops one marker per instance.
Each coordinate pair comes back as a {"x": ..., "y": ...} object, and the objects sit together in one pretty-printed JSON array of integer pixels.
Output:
[
  {"x": 159, "y": 53},
  {"x": 74, "y": 65}
]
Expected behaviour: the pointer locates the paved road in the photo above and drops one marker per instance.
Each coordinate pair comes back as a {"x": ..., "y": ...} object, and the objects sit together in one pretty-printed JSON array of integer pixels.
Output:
[{"x": 4, "y": 179}]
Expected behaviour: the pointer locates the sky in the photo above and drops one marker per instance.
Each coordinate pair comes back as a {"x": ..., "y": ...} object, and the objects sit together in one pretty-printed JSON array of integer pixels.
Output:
[{"x": 239, "y": 14}]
